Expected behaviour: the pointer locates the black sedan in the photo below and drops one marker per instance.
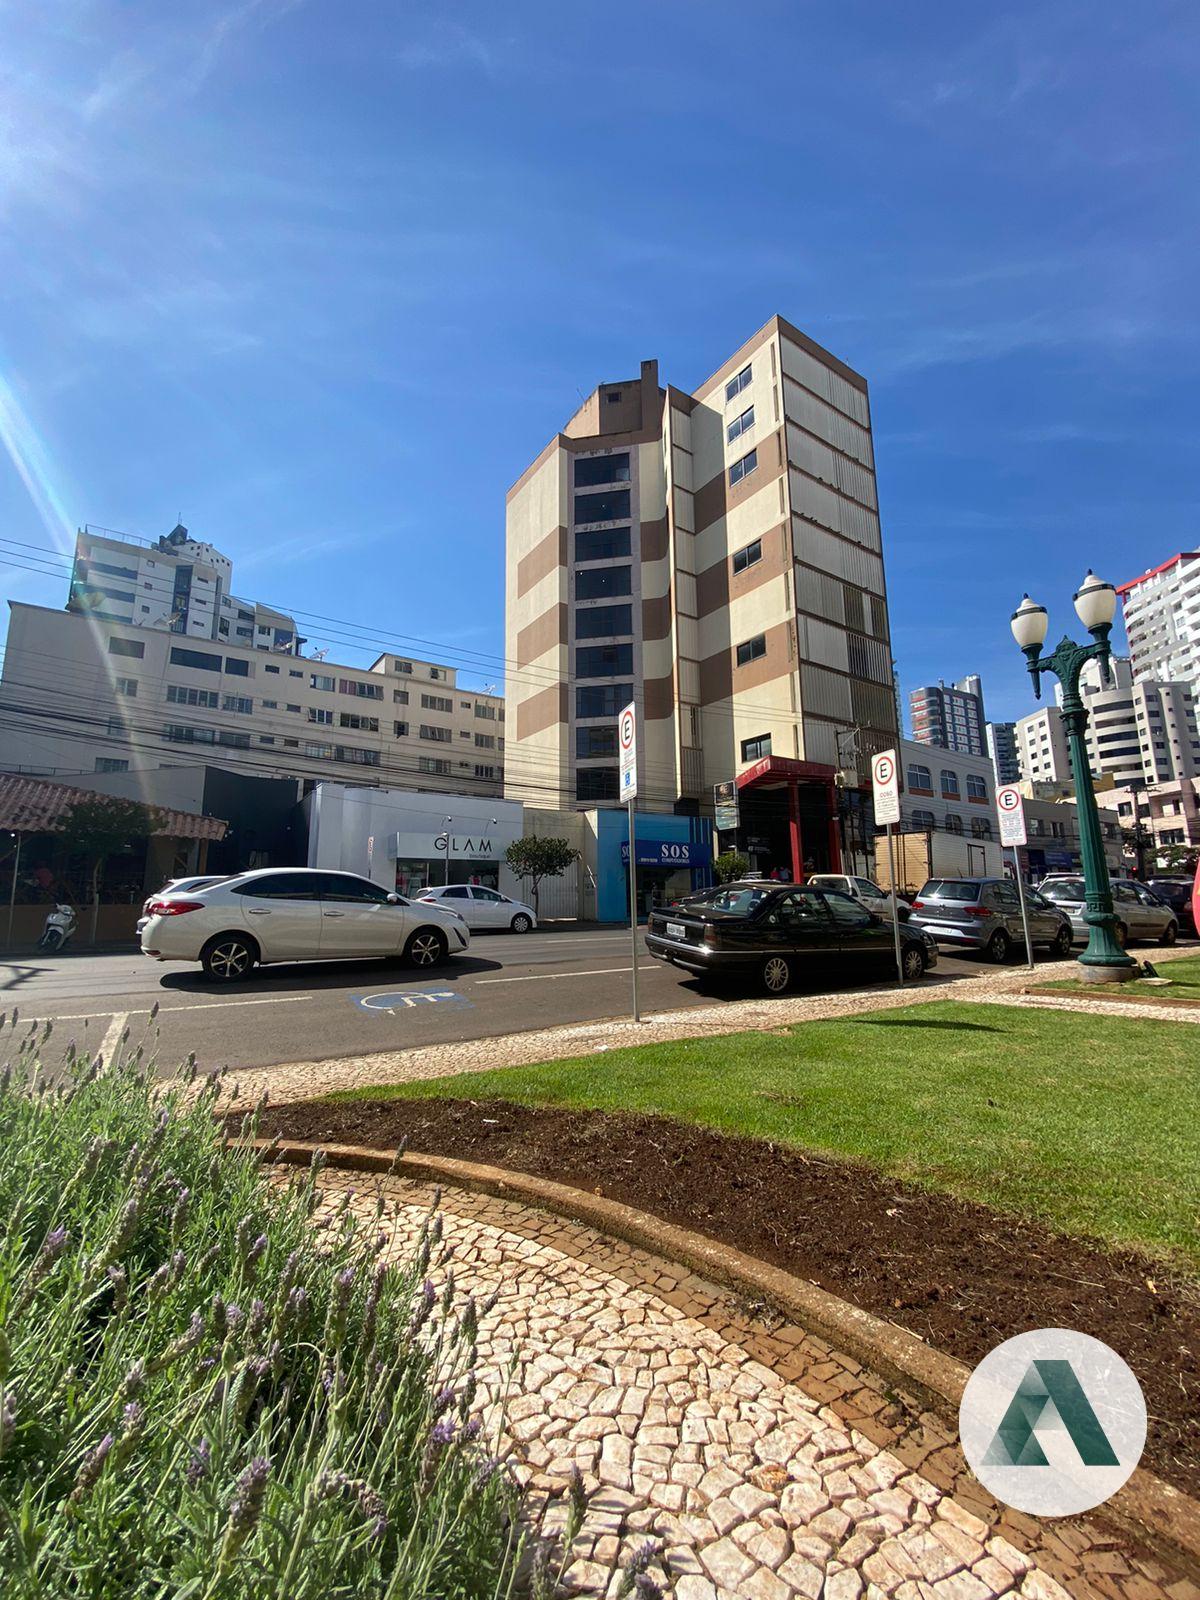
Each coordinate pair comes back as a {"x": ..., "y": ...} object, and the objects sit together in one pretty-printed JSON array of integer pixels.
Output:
[{"x": 777, "y": 932}]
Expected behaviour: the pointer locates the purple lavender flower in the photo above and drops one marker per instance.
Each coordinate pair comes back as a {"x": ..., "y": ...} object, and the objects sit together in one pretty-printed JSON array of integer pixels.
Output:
[
  {"x": 443, "y": 1400},
  {"x": 254, "y": 1254},
  {"x": 90, "y": 1469},
  {"x": 134, "y": 1380},
  {"x": 442, "y": 1432},
  {"x": 472, "y": 1430},
  {"x": 132, "y": 1417},
  {"x": 423, "y": 1309},
  {"x": 157, "y": 1286},
  {"x": 8, "y": 1418},
  {"x": 245, "y": 1509}
]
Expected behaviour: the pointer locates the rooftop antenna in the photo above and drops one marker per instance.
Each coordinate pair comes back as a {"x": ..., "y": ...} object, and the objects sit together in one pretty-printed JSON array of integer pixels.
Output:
[{"x": 319, "y": 655}]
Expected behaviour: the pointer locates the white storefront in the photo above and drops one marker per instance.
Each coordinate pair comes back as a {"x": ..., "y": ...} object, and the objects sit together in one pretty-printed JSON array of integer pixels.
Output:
[{"x": 409, "y": 840}]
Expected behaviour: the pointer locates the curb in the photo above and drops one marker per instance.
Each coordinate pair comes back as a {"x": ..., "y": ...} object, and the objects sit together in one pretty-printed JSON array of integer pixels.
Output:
[
  {"x": 1157, "y": 1001},
  {"x": 1164, "y": 1518}
]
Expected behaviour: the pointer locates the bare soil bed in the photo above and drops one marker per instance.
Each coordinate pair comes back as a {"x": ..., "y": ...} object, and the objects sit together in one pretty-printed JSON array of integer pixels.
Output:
[{"x": 959, "y": 1275}]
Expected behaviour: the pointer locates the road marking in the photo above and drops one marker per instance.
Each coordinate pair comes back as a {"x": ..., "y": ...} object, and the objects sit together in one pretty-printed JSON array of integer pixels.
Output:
[
  {"x": 112, "y": 1038},
  {"x": 169, "y": 1011},
  {"x": 593, "y": 972},
  {"x": 408, "y": 998}
]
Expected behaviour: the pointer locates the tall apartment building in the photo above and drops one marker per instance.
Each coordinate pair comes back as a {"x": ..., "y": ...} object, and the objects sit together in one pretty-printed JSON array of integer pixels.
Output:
[
  {"x": 951, "y": 718},
  {"x": 1162, "y": 620},
  {"x": 176, "y": 582},
  {"x": 1002, "y": 747},
  {"x": 88, "y": 690},
  {"x": 714, "y": 556}
]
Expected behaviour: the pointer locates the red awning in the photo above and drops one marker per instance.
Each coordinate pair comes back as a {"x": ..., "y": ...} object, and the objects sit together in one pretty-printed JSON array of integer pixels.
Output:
[
  {"x": 34, "y": 805},
  {"x": 774, "y": 770}
]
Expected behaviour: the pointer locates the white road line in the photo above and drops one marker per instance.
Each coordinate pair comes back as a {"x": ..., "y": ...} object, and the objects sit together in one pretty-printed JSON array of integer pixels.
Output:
[
  {"x": 112, "y": 1038},
  {"x": 593, "y": 972},
  {"x": 169, "y": 1011}
]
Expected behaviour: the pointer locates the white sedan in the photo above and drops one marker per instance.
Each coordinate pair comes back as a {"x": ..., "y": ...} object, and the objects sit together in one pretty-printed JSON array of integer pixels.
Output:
[
  {"x": 481, "y": 908},
  {"x": 867, "y": 894},
  {"x": 296, "y": 914}
]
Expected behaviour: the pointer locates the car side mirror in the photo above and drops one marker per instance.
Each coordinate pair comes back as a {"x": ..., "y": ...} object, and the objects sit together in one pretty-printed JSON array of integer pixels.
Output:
[{"x": 394, "y": 900}]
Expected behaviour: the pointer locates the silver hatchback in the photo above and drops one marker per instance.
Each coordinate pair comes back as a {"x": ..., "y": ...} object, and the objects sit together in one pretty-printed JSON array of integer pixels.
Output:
[
  {"x": 984, "y": 914},
  {"x": 1140, "y": 914}
]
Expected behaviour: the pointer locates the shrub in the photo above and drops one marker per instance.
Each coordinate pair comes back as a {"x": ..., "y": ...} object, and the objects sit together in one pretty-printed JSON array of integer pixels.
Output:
[{"x": 204, "y": 1392}]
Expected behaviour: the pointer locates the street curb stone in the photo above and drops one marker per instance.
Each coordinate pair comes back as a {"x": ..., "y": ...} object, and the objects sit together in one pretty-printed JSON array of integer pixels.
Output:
[{"x": 1164, "y": 1518}]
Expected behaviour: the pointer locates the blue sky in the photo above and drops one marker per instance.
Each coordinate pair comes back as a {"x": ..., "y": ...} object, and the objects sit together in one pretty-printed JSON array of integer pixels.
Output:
[{"x": 322, "y": 278}]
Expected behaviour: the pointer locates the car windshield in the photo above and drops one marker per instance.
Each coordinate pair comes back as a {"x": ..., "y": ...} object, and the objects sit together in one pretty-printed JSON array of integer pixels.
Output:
[
  {"x": 950, "y": 889},
  {"x": 740, "y": 901},
  {"x": 1064, "y": 889}
]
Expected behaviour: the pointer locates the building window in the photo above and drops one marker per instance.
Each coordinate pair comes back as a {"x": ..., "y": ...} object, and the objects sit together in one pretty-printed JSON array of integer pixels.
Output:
[
  {"x": 111, "y": 764},
  {"x": 236, "y": 668},
  {"x": 740, "y": 425},
  {"x": 611, "y": 506},
  {"x": 430, "y": 764},
  {"x": 356, "y": 756},
  {"x": 735, "y": 385},
  {"x": 953, "y": 823},
  {"x": 401, "y": 666},
  {"x": 920, "y": 779},
  {"x": 127, "y": 647},
  {"x": 950, "y": 789},
  {"x": 976, "y": 787},
  {"x": 755, "y": 749},
  {"x": 436, "y": 702},
  {"x": 296, "y": 709},
  {"x": 595, "y": 742},
  {"x": 319, "y": 715},
  {"x": 751, "y": 649},
  {"x": 181, "y": 733},
  {"x": 320, "y": 680},
  {"x": 400, "y": 696},
  {"x": 266, "y": 738},
  {"x": 364, "y": 691},
  {"x": 924, "y": 819},
  {"x": 437, "y": 672},
  {"x": 126, "y": 686},
  {"x": 237, "y": 702},
  {"x": 981, "y": 828},
  {"x": 747, "y": 556},
  {"x": 400, "y": 730},
  {"x": 593, "y": 470},
  {"x": 603, "y": 622},
  {"x": 488, "y": 713},
  {"x": 201, "y": 660},
  {"x": 275, "y": 670},
  {"x": 602, "y": 546},
  {"x": 485, "y": 741},
  {"x": 354, "y": 719},
  {"x": 602, "y": 699},
  {"x": 178, "y": 694},
  {"x": 485, "y": 772},
  {"x": 438, "y": 735},
  {"x": 741, "y": 469},
  {"x": 270, "y": 705},
  {"x": 319, "y": 752},
  {"x": 604, "y": 661},
  {"x": 598, "y": 583},
  {"x": 595, "y": 783}
]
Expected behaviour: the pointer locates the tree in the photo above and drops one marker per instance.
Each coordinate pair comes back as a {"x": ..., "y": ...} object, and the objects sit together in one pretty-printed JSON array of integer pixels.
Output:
[
  {"x": 537, "y": 858},
  {"x": 731, "y": 864},
  {"x": 101, "y": 828},
  {"x": 1181, "y": 858}
]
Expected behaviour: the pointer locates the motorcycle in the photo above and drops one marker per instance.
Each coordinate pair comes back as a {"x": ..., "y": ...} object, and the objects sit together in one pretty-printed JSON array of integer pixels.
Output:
[{"x": 59, "y": 926}]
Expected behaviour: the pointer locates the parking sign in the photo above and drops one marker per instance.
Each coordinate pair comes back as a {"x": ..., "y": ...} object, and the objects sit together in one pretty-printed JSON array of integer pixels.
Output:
[
  {"x": 1011, "y": 805},
  {"x": 627, "y": 745},
  {"x": 885, "y": 785}
]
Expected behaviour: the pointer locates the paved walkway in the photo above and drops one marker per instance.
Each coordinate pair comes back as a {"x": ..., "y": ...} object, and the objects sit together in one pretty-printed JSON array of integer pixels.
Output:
[{"x": 762, "y": 1464}]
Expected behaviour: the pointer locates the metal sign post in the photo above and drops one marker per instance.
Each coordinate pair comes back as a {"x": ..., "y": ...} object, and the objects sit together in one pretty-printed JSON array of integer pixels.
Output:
[
  {"x": 627, "y": 748},
  {"x": 1011, "y": 805},
  {"x": 885, "y": 792}
]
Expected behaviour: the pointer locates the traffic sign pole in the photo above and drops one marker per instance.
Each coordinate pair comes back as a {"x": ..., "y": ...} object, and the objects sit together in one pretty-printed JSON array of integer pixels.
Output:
[
  {"x": 637, "y": 1015},
  {"x": 885, "y": 796},
  {"x": 1010, "y": 803},
  {"x": 627, "y": 749},
  {"x": 1024, "y": 910},
  {"x": 895, "y": 907}
]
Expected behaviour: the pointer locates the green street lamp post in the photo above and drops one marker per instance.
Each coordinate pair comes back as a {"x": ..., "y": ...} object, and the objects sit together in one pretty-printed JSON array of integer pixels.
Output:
[{"x": 1096, "y": 606}]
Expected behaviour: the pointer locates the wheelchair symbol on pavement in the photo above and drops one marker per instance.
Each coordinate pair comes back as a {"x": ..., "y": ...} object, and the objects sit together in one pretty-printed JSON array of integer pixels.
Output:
[{"x": 410, "y": 1000}]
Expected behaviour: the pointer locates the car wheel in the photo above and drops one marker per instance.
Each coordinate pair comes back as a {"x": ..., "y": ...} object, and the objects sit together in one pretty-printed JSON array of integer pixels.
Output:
[
  {"x": 912, "y": 964},
  {"x": 1170, "y": 933},
  {"x": 425, "y": 948},
  {"x": 521, "y": 923},
  {"x": 227, "y": 958},
  {"x": 998, "y": 947},
  {"x": 1060, "y": 947},
  {"x": 776, "y": 974},
  {"x": 1121, "y": 935}
]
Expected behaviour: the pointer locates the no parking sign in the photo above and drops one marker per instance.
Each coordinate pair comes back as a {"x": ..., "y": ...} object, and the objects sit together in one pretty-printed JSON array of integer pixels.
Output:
[
  {"x": 885, "y": 786},
  {"x": 627, "y": 745}
]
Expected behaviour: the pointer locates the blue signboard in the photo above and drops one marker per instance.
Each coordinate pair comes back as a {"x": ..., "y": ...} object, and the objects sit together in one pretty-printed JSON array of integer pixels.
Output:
[{"x": 668, "y": 853}]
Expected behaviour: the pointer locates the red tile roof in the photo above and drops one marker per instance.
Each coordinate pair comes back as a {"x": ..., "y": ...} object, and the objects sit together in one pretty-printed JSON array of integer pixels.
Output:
[{"x": 37, "y": 805}]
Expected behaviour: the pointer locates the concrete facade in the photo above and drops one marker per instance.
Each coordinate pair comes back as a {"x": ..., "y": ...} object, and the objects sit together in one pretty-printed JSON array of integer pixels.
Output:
[
  {"x": 714, "y": 556},
  {"x": 951, "y": 718},
  {"x": 1162, "y": 620}
]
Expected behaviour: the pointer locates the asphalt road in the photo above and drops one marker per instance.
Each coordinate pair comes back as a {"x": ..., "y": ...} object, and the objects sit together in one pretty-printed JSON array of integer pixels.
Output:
[{"x": 317, "y": 1010}]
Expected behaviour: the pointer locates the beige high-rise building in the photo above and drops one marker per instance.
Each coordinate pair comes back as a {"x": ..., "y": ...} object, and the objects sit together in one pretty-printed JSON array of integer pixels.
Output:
[{"x": 714, "y": 556}]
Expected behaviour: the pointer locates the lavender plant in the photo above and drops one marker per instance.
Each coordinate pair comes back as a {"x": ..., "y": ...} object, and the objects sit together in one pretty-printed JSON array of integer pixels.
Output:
[{"x": 203, "y": 1395}]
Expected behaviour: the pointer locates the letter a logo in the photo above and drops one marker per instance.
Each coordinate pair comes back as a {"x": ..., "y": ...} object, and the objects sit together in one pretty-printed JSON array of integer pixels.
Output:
[
  {"x": 1052, "y": 1422},
  {"x": 1049, "y": 1382}
]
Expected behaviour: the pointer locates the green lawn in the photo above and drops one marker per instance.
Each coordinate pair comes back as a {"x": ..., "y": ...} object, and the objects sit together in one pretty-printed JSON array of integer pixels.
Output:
[
  {"x": 1088, "y": 1123},
  {"x": 1184, "y": 975}
]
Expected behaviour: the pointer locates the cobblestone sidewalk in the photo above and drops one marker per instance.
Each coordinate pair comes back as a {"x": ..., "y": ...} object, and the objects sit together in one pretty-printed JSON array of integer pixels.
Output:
[{"x": 762, "y": 1464}]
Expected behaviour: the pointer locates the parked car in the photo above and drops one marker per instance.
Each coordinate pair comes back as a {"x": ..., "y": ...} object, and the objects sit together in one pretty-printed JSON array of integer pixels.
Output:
[
  {"x": 984, "y": 914},
  {"x": 296, "y": 914},
  {"x": 181, "y": 886},
  {"x": 777, "y": 932},
  {"x": 482, "y": 908},
  {"x": 1176, "y": 893},
  {"x": 867, "y": 894},
  {"x": 1140, "y": 914}
]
